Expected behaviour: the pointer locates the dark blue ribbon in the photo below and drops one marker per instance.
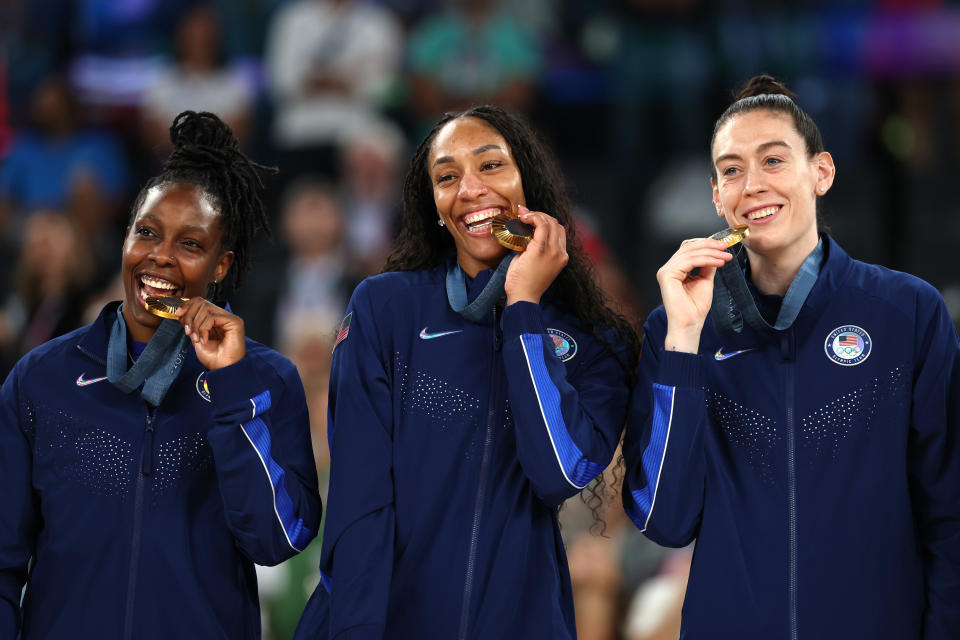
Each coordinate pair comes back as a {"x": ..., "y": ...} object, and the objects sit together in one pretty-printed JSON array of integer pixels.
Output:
[
  {"x": 733, "y": 303},
  {"x": 156, "y": 368},
  {"x": 477, "y": 310}
]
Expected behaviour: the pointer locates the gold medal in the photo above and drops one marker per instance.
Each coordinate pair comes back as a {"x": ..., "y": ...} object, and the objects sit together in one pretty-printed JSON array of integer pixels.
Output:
[
  {"x": 732, "y": 235},
  {"x": 510, "y": 231},
  {"x": 164, "y": 306}
]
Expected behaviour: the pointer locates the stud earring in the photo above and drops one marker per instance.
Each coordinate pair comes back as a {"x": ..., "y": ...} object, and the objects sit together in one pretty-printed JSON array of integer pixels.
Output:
[
  {"x": 822, "y": 189},
  {"x": 440, "y": 223}
]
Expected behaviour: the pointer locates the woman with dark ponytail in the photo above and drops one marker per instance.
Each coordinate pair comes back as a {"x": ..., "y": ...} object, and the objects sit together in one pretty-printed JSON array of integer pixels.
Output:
[
  {"x": 147, "y": 463},
  {"x": 797, "y": 411},
  {"x": 473, "y": 390}
]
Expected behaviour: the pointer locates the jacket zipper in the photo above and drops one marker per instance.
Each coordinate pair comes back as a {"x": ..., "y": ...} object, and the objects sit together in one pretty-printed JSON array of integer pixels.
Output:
[
  {"x": 481, "y": 488},
  {"x": 792, "y": 497},
  {"x": 146, "y": 468}
]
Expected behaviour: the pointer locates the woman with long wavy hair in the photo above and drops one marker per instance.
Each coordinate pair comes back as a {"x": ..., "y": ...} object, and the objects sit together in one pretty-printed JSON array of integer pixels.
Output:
[{"x": 473, "y": 390}]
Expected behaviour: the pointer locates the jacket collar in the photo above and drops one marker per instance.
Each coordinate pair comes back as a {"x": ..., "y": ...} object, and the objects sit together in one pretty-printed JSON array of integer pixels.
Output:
[
  {"x": 833, "y": 274},
  {"x": 93, "y": 341},
  {"x": 95, "y": 338}
]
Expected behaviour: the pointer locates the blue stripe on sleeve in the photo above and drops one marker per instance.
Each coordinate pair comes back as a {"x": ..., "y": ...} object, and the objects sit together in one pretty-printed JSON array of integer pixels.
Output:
[
  {"x": 260, "y": 403},
  {"x": 298, "y": 536},
  {"x": 576, "y": 468},
  {"x": 652, "y": 458},
  {"x": 326, "y": 582}
]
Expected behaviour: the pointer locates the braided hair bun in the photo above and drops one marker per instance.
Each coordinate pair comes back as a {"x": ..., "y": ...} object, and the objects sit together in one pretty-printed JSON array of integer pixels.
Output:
[{"x": 207, "y": 154}]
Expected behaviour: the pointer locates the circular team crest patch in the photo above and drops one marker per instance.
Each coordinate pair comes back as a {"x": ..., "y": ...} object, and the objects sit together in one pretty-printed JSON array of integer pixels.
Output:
[
  {"x": 848, "y": 345},
  {"x": 202, "y": 387},
  {"x": 563, "y": 344}
]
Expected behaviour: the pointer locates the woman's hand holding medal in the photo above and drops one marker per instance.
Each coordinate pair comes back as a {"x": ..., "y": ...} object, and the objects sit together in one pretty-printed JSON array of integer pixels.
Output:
[
  {"x": 217, "y": 335},
  {"x": 545, "y": 256},
  {"x": 687, "y": 298}
]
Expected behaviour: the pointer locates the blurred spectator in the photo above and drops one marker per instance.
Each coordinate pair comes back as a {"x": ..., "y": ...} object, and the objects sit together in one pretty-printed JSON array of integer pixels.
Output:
[
  {"x": 329, "y": 64},
  {"x": 199, "y": 80},
  {"x": 300, "y": 289},
  {"x": 472, "y": 54},
  {"x": 52, "y": 280},
  {"x": 244, "y": 25},
  {"x": 34, "y": 43},
  {"x": 655, "y": 609},
  {"x": 315, "y": 290},
  {"x": 58, "y": 164},
  {"x": 117, "y": 47},
  {"x": 370, "y": 192}
]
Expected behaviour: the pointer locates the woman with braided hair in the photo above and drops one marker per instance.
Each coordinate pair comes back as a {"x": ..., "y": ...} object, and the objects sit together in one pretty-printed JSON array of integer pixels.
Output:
[
  {"x": 473, "y": 390},
  {"x": 147, "y": 462}
]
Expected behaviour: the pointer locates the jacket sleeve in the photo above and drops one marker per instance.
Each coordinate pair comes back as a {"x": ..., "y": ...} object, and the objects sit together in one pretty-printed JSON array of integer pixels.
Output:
[
  {"x": 566, "y": 429},
  {"x": 934, "y": 465},
  {"x": 663, "y": 446},
  {"x": 358, "y": 542},
  {"x": 261, "y": 446},
  {"x": 20, "y": 514}
]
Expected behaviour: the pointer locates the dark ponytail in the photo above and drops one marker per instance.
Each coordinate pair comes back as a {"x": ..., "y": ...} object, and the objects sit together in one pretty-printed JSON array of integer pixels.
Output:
[{"x": 765, "y": 93}]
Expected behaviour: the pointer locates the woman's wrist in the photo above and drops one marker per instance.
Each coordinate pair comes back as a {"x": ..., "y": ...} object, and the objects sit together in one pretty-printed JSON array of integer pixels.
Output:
[{"x": 683, "y": 341}]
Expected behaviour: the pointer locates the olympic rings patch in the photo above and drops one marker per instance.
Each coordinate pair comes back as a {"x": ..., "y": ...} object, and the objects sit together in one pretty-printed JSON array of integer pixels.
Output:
[{"x": 848, "y": 345}]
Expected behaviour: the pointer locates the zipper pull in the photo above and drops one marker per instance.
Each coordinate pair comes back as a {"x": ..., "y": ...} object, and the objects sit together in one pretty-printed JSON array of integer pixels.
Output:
[{"x": 146, "y": 460}]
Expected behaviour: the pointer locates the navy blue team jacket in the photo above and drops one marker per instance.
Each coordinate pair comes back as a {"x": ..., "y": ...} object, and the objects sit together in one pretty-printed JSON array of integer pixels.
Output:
[
  {"x": 818, "y": 468},
  {"x": 452, "y": 445},
  {"x": 141, "y": 524}
]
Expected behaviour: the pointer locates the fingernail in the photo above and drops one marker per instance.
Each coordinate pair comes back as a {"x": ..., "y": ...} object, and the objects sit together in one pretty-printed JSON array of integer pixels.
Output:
[{"x": 522, "y": 209}]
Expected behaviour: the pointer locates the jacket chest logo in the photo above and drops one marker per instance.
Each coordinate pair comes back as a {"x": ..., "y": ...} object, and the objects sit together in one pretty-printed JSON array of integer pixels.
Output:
[
  {"x": 848, "y": 345},
  {"x": 563, "y": 344},
  {"x": 202, "y": 387}
]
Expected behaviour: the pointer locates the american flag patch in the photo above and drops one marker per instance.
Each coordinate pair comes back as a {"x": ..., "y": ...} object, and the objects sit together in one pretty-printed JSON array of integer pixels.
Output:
[
  {"x": 344, "y": 329},
  {"x": 849, "y": 339}
]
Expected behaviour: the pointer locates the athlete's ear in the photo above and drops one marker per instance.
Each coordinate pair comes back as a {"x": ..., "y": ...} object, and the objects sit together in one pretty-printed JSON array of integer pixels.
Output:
[
  {"x": 716, "y": 197},
  {"x": 826, "y": 172}
]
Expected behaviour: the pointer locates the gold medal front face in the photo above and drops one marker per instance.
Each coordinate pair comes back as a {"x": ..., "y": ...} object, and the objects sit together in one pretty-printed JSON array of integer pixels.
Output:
[
  {"x": 164, "y": 306},
  {"x": 732, "y": 235},
  {"x": 510, "y": 231}
]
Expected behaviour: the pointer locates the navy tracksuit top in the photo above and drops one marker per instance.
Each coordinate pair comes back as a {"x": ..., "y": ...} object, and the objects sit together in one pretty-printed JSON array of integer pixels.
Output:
[
  {"x": 142, "y": 524},
  {"x": 452, "y": 445},
  {"x": 817, "y": 468}
]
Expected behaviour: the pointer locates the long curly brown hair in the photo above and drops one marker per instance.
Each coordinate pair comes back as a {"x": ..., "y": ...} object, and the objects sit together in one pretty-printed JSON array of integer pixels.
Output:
[{"x": 422, "y": 244}]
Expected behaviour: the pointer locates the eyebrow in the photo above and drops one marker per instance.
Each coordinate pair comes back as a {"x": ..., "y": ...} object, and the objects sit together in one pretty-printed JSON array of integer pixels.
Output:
[
  {"x": 476, "y": 152},
  {"x": 189, "y": 227},
  {"x": 763, "y": 147}
]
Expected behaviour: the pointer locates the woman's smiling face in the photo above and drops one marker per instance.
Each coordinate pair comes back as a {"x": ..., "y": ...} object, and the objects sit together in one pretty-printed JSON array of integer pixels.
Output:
[
  {"x": 767, "y": 180},
  {"x": 474, "y": 178},
  {"x": 173, "y": 248}
]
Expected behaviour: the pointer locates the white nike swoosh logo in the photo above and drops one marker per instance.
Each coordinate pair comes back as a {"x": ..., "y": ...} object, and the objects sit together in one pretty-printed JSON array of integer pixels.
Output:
[
  {"x": 719, "y": 355},
  {"x": 430, "y": 336},
  {"x": 82, "y": 383}
]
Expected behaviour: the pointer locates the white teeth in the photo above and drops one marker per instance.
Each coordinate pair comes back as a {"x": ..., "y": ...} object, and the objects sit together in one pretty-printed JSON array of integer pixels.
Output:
[
  {"x": 480, "y": 227},
  {"x": 762, "y": 213},
  {"x": 480, "y": 216},
  {"x": 157, "y": 283}
]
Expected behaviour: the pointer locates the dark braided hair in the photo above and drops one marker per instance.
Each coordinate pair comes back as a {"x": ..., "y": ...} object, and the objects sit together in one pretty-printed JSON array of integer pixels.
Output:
[
  {"x": 207, "y": 155},
  {"x": 422, "y": 244}
]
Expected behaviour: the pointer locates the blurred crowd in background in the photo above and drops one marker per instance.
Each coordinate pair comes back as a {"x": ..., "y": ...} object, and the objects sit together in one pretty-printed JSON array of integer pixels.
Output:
[{"x": 338, "y": 92}]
